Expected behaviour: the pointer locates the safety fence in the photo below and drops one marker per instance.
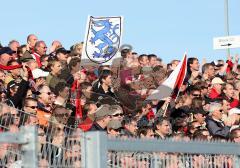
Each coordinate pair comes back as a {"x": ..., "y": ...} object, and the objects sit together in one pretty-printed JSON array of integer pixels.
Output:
[
  {"x": 19, "y": 149},
  {"x": 145, "y": 153},
  {"x": 58, "y": 144}
]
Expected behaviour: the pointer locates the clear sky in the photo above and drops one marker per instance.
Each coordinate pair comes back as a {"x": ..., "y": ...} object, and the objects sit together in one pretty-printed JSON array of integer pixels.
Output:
[{"x": 167, "y": 28}]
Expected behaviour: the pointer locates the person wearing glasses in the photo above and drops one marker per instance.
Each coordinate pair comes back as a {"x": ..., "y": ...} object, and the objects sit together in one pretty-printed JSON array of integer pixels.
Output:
[
  {"x": 195, "y": 92},
  {"x": 30, "y": 105},
  {"x": 44, "y": 103},
  {"x": 216, "y": 127},
  {"x": 28, "y": 115},
  {"x": 44, "y": 98},
  {"x": 101, "y": 118}
]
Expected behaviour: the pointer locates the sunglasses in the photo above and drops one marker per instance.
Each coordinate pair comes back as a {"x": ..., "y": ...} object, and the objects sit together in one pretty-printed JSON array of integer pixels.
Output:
[
  {"x": 196, "y": 95},
  {"x": 198, "y": 127},
  {"x": 1, "y": 92},
  {"x": 118, "y": 115},
  {"x": 32, "y": 107}
]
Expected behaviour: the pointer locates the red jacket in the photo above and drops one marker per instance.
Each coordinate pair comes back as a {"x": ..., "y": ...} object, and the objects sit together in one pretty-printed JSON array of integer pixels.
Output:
[
  {"x": 86, "y": 124},
  {"x": 214, "y": 94},
  {"x": 234, "y": 103}
]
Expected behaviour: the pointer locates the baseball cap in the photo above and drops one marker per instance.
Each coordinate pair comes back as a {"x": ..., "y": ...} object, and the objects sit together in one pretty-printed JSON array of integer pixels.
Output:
[
  {"x": 6, "y": 50},
  {"x": 26, "y": 57},
  {"x": 62, "y": 50},
  {"x": 103, "y": 111},
  {"x": 116, "y": 109},
  {"x": 11, "y": 84},
  {"x": 234, "y": 111},
  {"x": 217, "y": 80}
]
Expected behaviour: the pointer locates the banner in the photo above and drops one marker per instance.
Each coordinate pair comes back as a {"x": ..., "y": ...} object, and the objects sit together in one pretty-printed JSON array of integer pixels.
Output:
[
  {"x": 102, "y": 38},
  {"x": 171, "y": 86}
]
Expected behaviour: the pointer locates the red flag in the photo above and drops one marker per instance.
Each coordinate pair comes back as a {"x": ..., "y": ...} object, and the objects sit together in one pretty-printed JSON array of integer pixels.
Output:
[
  {"x": 229, "y": 67},
  {"x": 180, "y": 77},
  {"x": 171, "y": 86},
  {"x": 76, "y": 88}
]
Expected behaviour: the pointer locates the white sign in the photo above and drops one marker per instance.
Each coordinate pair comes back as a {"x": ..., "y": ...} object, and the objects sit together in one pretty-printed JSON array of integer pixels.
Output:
[{"x": 226, "y": 42}]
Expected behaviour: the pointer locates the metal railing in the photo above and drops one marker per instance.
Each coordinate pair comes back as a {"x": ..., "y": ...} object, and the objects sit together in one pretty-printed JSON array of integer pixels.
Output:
[
  {"x": 62, "y": 146},
  {"x": 98, "y": 151},
  {"x": 26, "y": 157},
  {"x": 58, "y": 144}
]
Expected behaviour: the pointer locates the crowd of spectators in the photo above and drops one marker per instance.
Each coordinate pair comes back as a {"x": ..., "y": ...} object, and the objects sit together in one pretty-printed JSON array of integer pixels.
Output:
[{"x": 50, "y": 88}]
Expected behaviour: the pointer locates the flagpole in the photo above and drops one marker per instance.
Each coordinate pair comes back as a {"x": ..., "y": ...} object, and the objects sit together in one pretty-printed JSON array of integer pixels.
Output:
[
  {"x": 165, "y": 110},
  {"x": 226, "y": 20}
]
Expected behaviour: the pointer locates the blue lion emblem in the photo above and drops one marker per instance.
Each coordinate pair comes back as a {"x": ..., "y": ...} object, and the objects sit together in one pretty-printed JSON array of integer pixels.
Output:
[{"x": 108, "y": 37}]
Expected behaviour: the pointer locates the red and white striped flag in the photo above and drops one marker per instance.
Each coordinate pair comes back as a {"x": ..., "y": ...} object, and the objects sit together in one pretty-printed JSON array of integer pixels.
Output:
[{"x": 171, "y": 86}]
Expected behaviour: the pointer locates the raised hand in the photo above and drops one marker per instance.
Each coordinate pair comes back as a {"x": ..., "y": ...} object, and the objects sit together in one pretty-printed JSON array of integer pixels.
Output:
[{"x": 236, "y": 58}]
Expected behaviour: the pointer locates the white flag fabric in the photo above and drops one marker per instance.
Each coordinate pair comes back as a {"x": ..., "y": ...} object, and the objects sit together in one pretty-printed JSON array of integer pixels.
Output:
[
  {"x": 170, "y": 87},
  {"x": 102, "y": 38}
]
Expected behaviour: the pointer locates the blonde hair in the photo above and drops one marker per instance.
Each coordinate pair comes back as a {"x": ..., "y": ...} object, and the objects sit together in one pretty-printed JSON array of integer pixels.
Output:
[{"x": 76, "y": 49}]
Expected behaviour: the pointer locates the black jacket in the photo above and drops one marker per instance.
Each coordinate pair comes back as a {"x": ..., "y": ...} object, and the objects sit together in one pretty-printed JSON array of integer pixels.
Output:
[
  {"x": 96, "y": 127},
  {"x": 217, "y": 128},
  {"x": 99, "y": 93},
  {"x": 127, "y": 133},
  {"x": 17, "y": 98}
]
